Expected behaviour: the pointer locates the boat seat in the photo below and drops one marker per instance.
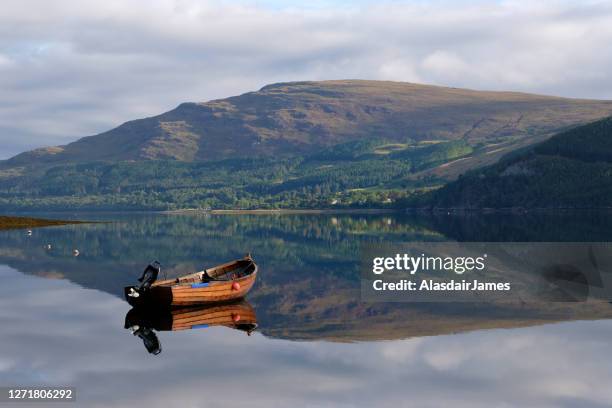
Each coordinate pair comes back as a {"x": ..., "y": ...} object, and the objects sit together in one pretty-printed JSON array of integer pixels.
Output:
[
  {"x": 206, "y": 277},
  {"x": 227, "y": 276}
]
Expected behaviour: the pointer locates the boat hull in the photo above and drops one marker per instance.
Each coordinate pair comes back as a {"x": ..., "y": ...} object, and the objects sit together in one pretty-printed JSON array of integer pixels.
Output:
[
  {"x": 237, "y": 315},
  {"x": 212, "y": 292},
  {"x": 195, "y": 293}
]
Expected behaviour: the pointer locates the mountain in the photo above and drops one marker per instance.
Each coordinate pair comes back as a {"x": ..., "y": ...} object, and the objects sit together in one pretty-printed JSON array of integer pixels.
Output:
[
  {"x": 300, "y": 144},
  {"x": 570, "y": 170},
  {"x": 303, "y": 117}
]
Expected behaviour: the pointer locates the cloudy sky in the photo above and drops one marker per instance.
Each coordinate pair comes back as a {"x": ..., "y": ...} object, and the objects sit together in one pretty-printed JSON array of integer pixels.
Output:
[{"x": 71, "y": 68}]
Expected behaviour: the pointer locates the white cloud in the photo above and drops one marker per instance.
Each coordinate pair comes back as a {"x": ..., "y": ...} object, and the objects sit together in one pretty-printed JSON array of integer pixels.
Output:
[
  {"x": 4, "y": 61},
  {"x": 444, "y": 64},
  {"x": 73, "y": 68}
]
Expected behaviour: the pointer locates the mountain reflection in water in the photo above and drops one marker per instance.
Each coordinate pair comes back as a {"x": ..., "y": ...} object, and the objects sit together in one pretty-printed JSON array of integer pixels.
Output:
[{"x": 308, "y": 287}]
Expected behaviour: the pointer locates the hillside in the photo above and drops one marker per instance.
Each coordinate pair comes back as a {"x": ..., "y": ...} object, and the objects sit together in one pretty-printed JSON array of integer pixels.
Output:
[
  {"x": 570, "y": 170},
  {"x": 290, "y": 145},
  {"x": 302, "y": 117}
]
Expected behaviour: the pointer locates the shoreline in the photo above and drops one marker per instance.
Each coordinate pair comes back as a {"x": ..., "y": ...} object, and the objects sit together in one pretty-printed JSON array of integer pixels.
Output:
[
  {"x": 12, "y": 222},
  {"x": 502, "y": 210},
  {"x": 32, "y": 215},
  {"x": 289, "y": 211}
]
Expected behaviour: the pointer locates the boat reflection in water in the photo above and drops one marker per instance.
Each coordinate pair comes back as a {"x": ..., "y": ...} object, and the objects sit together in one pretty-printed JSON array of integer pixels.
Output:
[{"x": 145, "y": 321}]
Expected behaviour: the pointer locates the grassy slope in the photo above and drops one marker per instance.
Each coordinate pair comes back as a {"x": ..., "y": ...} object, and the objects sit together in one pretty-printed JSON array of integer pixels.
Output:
[{"x": 303, "y": 117}]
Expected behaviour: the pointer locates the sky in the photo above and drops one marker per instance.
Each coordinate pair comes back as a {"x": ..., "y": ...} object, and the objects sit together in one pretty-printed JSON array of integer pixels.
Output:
[{"x": 73, "y": 68}]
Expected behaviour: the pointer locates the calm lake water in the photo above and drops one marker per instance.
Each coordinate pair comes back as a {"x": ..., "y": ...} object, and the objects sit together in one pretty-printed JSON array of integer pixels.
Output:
[{"x": 63, "y": 318}]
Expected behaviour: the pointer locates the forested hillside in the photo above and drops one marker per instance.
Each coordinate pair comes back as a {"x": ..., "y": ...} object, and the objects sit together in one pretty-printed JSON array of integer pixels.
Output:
[
  {"x": 571, "y": 170},
  {"x": 352, "y": 175}
]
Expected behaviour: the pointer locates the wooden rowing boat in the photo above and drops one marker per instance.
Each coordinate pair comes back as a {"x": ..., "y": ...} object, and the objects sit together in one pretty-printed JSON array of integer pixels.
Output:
[
  {"x": 222, "y": 283},
  {"x": 236, "y": 315}
]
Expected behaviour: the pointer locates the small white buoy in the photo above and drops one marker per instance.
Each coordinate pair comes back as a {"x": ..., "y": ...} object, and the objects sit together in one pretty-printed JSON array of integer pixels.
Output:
[
  {"x": 29, "y": 233},
  {"x": 48, "y": 246},
  {"x": 75, "y": 252}
]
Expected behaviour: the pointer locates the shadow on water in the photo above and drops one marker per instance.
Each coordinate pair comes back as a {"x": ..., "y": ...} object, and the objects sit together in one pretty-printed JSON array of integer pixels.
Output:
[
  {"x": 144, "y": 322},
  {"x": 308, "y": 287}
]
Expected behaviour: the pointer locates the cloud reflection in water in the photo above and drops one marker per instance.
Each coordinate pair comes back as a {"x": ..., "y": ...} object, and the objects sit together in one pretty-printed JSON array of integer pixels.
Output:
[{"x": 55, "y": 332}]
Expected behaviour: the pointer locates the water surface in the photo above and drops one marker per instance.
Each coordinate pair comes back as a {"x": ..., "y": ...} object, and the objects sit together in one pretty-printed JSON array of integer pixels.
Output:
[{"x": 316, "y": 344}]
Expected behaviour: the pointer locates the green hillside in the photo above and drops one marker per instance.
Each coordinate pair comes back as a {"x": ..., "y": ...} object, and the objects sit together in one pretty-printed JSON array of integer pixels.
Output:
[
  {"x": 571, "y": 170},
  {"x": 363, "y": 177}
]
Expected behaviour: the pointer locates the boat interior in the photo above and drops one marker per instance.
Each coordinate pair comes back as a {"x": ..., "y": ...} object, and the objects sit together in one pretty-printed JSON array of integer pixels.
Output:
[{"x": 226, "y": 272}]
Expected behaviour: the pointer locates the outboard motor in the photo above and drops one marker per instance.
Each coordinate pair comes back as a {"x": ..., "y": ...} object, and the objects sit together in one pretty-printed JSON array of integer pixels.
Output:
[
  {"x": 149, "y": 339},
  {"x": 248, "y": 328},
  {"x": 149, "y": 275}
]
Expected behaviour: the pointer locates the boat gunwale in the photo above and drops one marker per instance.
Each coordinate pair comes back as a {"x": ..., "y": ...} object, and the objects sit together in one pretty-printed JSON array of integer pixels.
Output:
[{"x": 172, "y": 284}]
